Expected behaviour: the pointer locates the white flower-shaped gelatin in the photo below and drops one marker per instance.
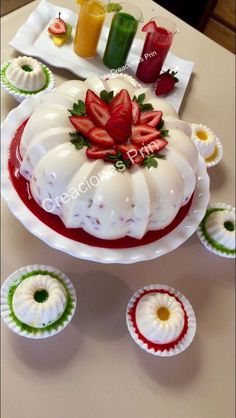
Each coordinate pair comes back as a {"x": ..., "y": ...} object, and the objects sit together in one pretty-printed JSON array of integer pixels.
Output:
[
  {"x": 220, "y": 225},
  {"x": 204, "y": 139},
  {"x": 159, "y": 317},
  {"x": 107, "y": 206},
  {"x": 39, "y": 300},
  {"x": 26, "y": 73}
]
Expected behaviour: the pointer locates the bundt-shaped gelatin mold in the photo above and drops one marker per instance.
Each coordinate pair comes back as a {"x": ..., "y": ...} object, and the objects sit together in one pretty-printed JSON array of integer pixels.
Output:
[
  {"x": 39, "y": 300},
  {"x": 84, "y": 193},
  {"x": 26, "y": 73},
  {"x": 159, "y": 317}
]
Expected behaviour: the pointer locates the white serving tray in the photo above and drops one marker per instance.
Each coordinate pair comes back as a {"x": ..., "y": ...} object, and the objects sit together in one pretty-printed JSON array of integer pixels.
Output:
[{"x": 33, "y": 39}]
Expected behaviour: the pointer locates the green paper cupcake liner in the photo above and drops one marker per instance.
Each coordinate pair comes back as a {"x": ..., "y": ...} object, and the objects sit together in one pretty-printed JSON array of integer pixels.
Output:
[
  {"x": 19, "y": 94},
  {"x": 7, "y": 292},
  {"x": 207, "y": 240}
]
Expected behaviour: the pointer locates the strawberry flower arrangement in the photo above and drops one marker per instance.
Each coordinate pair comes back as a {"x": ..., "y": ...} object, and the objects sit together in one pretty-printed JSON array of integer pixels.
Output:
[{"x": 118, "y": 130}]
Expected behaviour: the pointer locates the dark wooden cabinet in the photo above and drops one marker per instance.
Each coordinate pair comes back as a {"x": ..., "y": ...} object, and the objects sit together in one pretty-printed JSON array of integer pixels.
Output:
[
  {"x": 221, "y": 25},
  {"x": 215, "y": 18},
  {"x": 191, "y": 11}
]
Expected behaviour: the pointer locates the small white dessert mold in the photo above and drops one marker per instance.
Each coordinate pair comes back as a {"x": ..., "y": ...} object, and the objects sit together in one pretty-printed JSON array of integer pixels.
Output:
[
  {"x": 215, "y": 239},
  {"x": 207, "y": 143},
  {"x": 26, "y": 73},
  {"x": 7, "y": 292},
  {"x": 23, "y": 93},
  {"x": 159, "y": 317},
  {"x": 148, "y": 345}
]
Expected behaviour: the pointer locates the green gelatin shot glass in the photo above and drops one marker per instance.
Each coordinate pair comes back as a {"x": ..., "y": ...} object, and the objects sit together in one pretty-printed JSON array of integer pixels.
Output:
[{"x": 122, "y": 32}]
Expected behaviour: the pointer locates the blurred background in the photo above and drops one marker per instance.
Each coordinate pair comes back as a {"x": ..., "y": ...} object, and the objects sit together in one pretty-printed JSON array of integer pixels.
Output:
[{"x": 215, "y": 18}]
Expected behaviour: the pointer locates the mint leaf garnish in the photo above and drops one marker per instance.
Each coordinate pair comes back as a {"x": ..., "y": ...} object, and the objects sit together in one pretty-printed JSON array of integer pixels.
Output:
[
  {"x": 144, "y": 107},
  {"x": 119, "y": 162},
  {"x": 164, "y": 133},
  {"x": 151, "y": 160},
  {"x": 79, "y": 141},
  {"x": 78, "y": 109},
  {"x": 115, "y": 157},
  {"x": 141, "y": 98},
  {"x": 107, "y": 96},
  {"x": 161, "y": 124}
]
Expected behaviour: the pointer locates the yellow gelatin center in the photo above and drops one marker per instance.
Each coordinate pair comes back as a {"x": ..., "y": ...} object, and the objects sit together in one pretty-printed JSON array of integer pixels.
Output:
[
  {"x": 163, "y": 313},
  {"x": 213, "y": 156},
  {"x": 202, "y": 135}
]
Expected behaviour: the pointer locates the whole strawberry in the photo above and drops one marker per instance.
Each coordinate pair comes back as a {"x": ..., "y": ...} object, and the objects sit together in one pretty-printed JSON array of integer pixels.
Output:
[{"x": 166, "y": 82}]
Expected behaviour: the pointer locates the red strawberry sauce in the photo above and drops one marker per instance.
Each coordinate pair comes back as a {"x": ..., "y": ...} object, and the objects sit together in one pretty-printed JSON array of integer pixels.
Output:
[
  {"x": 150, "y": 344},
  {"x": 21, "y": 186}
]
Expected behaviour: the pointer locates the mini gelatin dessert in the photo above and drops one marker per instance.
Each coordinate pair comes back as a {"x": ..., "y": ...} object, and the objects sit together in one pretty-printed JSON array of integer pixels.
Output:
[
  {"x": 37, "y": 301},
  {"x": 119, "y": 163},
  {"x": 161, "y": 320},
  {"x": 208, "y": 145},
  {"x": 217, "y": 230},
  {"x": 25, "y": 76}
]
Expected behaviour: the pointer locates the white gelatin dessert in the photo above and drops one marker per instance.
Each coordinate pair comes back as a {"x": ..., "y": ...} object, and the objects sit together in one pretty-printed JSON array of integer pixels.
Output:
[
  {"x": 119, "y": 163},
  {"x": 161, "y": 320},
  {"x": 26, "y": 73},
  {"x": 37, "y": 301},
  {"x": 24, "y": 77}
]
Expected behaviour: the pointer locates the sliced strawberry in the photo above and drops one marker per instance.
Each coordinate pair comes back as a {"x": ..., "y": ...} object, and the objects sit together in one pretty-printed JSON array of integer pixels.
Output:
[
  {"x": 122, "y": 97},
  {"x": 128, "y": 150},
  {"x": 151, "y": 118},
  {"x": 82, "y": 124},
  {"x": 92, "y": 97},
  {"x": 166, "y": 82},
  {"x": 58, "y": 27},
  {"x": 100, "y": 137},
  {"x": 98, "y": 113},
  {"x": 119, "y": 127},
  {"x": 154, "y": 146},
  {"x": 135, "y": 112},
  {"x": 138, "y": 160},
  {"x": 150, "y": 27},
  {"x": 124, "y": 148},
  {"x": 124, "y": 110},
  {"x": 143, "y": 134},
  {"x": 96, "y": 152}
]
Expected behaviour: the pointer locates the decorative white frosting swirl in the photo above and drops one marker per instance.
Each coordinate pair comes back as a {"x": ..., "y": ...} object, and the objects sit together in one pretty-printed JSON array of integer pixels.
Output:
[
  {"x": 28, "y": 80},
  {"x": 204, "y": 139},
  {"x": 51, "y": 296},
  {"x": 220, "y": 225},
  {"x": 159, "y": 317}
]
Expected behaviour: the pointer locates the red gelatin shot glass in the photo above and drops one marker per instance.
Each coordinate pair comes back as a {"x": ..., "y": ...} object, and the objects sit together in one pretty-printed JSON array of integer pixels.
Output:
[{"x": 160, "y": 33}]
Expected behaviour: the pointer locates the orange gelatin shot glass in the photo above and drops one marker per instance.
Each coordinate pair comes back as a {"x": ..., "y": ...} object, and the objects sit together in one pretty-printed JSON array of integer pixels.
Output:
[{"x": 89, "y": 26}]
